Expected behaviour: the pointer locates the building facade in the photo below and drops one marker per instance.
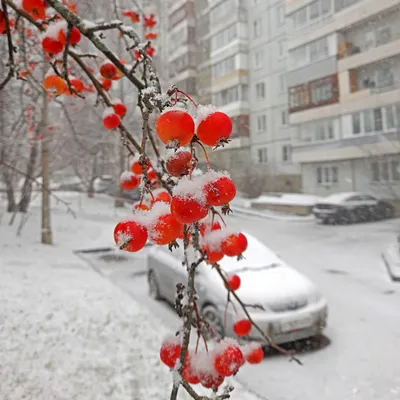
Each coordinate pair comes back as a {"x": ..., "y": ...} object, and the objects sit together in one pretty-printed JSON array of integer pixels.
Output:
[
  {"x": 343, "y": 85},
  {"x": 271, "y": 134}
]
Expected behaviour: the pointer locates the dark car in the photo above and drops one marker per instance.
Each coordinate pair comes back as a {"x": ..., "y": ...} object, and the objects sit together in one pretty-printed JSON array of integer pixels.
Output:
[{"x": 352, "y": 207}]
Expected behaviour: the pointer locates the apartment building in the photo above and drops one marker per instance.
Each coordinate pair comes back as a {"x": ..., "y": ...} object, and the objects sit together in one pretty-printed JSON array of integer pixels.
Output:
[
  {"x": 229, "y": 53},
  {"x": 271, "y": 135},
  {"x": 344, "y": 94}
]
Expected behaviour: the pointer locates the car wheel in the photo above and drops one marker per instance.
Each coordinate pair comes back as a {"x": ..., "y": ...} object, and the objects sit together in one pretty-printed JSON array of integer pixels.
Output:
[
  {"x": 211, "y": 316},
  {"x": 388, "y": 212},
  {"x": 351, "y": 217},
  {"x": 154, "y": 290}
]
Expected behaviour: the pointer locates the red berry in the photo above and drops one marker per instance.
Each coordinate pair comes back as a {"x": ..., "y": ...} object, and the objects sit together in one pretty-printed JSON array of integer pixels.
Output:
[
  {"x": 179, "y": 164},
  {"x": 106, "y": 83},
  {"x": 74, "y": 39},
  {"x": 214, "y": 128},
  {"x": 51, "y": 45},
  {"x": 165, "y": 230},
  {"x": 55, "y": 84},
  {"x": 188, "y": 373},
  {"x": 175, "y": 126},
  {"x": 77, "y": 84},
  {"x": 234, "y": 282},
  {"x": 110, "y": 119},
  {"x": 210, "y": 380},
  {"x": 36, "y": 8},
  {"x": 151, "y": 174},
  {"x": 140, "y": 207},
  {"x": 170, "y": 351},
  {"x": 108, "y": 70},
  {"x": 187, "y": 209},
  {"x": 253, "y": 353},
  {"x": 234, "y": 245},
  {"x": 242, "y": 327},
  {"x": 220, "y": 191},
  {"x": 212, "y": 255},
  {"x": 207, "y": 227},
  {"x": 162, "y": 195},
  {"x": 228, "y": 360},
  {"x": 120, "y": 109},
  {"x": 131, "y": 235},
  {"x": 129, "y": 181},
  {"x": 137, "y": 168}
]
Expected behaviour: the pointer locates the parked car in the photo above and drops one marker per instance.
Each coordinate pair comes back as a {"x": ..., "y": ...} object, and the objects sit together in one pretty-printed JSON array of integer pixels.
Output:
[
  {"x": 106, "y": 184},
  {"x": 352, "y": 207},
  {"x": 292, "y": 307}
]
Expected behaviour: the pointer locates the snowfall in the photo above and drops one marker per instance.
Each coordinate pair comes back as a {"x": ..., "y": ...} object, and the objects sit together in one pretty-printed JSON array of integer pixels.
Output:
[
  {"x": 67, "y": 332},
  {"x": 74, "y": 326}
]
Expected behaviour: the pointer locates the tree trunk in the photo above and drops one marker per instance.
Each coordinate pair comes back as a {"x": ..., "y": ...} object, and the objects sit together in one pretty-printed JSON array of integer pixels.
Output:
[
  {"x": 27, "y": 187},
  {"x": 46, "y": 223},
  {"x": 11, "y": 204}
]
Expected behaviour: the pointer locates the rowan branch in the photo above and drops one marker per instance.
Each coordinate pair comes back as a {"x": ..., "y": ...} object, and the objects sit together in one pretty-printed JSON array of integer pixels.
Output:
[{"x": 10, "y": 45}]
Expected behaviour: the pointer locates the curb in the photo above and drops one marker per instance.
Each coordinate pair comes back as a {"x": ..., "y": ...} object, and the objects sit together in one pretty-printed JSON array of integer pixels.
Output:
[{"x": 390, "y": 266}]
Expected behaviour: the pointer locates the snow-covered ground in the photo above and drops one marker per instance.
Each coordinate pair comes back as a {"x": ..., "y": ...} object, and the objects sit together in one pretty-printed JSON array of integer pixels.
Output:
[
  {"x": 67, "y": 332},
  {"x": 293, "y": 199}
]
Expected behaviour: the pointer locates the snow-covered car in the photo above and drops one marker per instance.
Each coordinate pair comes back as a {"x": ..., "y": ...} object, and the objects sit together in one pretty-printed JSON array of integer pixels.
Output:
[
  {"x": 352, "y": 207},
  {"x": 291, "y": 306}
]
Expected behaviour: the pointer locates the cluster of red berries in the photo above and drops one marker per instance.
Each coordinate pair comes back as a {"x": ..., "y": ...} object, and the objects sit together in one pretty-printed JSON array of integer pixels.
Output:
[
  {"x": 176, "y": 127},
  {"x": 130, "y": 180},
  {"x": 112, "y": 115},
  {"x": 210, "y": 368},
  {"x": 55, "y": 37}
]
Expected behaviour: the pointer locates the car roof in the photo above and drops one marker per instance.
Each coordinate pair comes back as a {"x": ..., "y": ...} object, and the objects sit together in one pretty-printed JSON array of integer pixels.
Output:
[{"x": 338, "y": 197}]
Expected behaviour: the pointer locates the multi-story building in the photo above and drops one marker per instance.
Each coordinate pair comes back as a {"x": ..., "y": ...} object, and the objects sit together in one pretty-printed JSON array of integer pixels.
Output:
[
  {"x": 344, "y": 93},
  {"x": 271, "y": 134},
  {"x": 228, "y": 21},
  {"x": 181, "y": 48}
]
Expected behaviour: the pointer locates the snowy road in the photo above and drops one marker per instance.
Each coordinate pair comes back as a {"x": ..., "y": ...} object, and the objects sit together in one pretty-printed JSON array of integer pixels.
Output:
[{"x": 361, "y": 362}]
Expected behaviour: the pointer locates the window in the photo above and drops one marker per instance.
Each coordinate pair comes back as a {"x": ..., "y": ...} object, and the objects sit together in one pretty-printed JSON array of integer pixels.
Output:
[
  {"x": 224, "y": 37},
  {"x": 326, "y": 175},
  {"x": 224, "y": 67},
  {"x": 321, "y": 92},
  {"x": 385, "y": 170},
  {"x": 378, "y": 119},
  {"x": 319, "y": 49},
  {"x": 325, "y": 6},
  {"x": 260, "y": 91},
  {"x": 286, "y": 153},
  {"x": 314, "y": 10},
  {"x": 282, "y": 83},
  {"x": 282, "y": 48},
  {"x": 257, "y": 27},
  {"x": 258, "y": 58},
  {"x": 323, "y": 130},
  {"x": 280, "y": 15},
  {"x": 390, "y": 117},
  {"x": 230, "y": 95},
  {"x": 368, "y": 122},
  {"x": 262, "y": 155},
  {"x": 221, "y": 10},
  {"x": 283, "y": 117},
  {"x": 261, "y": 123},
  {"x": 300, "y": 18}
]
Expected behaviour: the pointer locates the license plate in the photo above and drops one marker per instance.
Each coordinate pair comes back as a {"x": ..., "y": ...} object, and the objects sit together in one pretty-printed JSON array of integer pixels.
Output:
[{"x": 297, "y": 324}]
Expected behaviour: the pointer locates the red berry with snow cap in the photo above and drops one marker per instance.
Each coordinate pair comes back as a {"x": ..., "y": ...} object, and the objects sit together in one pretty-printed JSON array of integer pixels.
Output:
[
  {"x": 161, "y": 195},
  {"x": 129, "y": 181},
  {"x": 52, "y": 46},
  {"x": 212, "y": 256},
  {"x": 110, "y": 119},
  {"x": 234, "y": 245},
  {"x": 188, "y": 372},
  {"x": 130, "y": 235},
  {"x": 253, "y": 353},
  {"x": 220, "y": 190},
  {"x": 175, "y": 127},
  {"x": 179, "y": 164},
  {"x": 213, "y": 127},
  {"x": 206, "y": 227},
  {"x": 137, "y": 167},
  {"x": 119, "y": 108},
  {"x": 170, "y": 351},
  {"x": 234, "y": 282},
  {"x": 229, "y": 358},
  {"x": 242, "y": 327},
  {"x": 74, "y": 39},
  {"x": 165, "y": 230}
]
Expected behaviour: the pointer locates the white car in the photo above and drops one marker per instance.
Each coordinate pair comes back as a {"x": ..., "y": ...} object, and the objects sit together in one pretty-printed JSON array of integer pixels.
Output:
[{"x": 292, "y": 306}]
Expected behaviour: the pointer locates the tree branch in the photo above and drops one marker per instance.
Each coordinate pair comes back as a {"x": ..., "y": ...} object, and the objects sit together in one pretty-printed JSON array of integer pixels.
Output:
[{"x": 10, "y": 44}]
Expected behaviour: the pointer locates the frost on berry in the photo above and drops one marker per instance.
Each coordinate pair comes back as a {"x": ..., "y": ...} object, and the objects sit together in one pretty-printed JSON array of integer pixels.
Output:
[
  {"x": 203, "y": 112},
  {"x": 190, "y": 189},
  {"x": 228, "y": 357},
  {"x": 170, "y": 350},
  {"x": 253, "y": 352},
  {"x": 203, "y": 367}
]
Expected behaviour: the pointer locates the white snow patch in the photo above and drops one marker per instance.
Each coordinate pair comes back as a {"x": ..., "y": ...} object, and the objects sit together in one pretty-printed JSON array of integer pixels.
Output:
[
  {"x": 148, "y": 90},
  {"x": 126, "y": 176},
  {"x": 203, "y": 112},
  {"x": 214, "y": 239},
  {"x": 190, "y": 188},
  {"x": 212, "y": 176},
  {"x": 116, "y": 101},
  {"x": 54, "y": 29},
  {"x": 108, "y": 111},
  {"x": 248, "y": 348},
  {"x": 173, "y": 108},
  {"x": 289, "y": 199},
  {"x": 88, "y": 24}
]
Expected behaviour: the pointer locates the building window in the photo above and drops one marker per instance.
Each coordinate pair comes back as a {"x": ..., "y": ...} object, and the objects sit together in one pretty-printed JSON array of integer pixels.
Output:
[
  {"x": 324, "y": 130},
  {"x": 284, "y": 117},
  {"x": 257, "y": 27},
  {"x": 314, "y": 10},
  {"x": 385, "y": 171},
  {"x": 262, "y": 155},
  {"x": 260, "y": 91},
  {"x": 224, "y": 67},
  {"x": 327, "y": 175},
  {"x": 390, "y": 117},
  {"x": 261, "y": 123},
  {"x": 230, "y": 95},
  {"x": 280, "y": 15},
  {"x": 286, "y": 153},
  {"x": 224, "y": 37},
  {"x": 282, "y": 48},
  {"x": 282, "y": 83},
  {"x": 258, "y": 58},
  {"x": 356, "y": 123}
]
